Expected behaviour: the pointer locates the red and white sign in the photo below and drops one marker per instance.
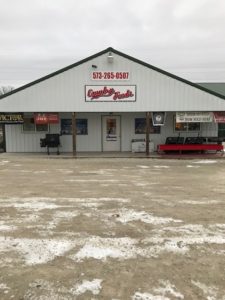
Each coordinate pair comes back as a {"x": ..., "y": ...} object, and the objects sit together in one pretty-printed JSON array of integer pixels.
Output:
[
  {"x": 219, "y": 116},
  {"x": 110, "y": 93},
  {"x": 108, "y": 75},
  {"x": 46, "y": 118}
]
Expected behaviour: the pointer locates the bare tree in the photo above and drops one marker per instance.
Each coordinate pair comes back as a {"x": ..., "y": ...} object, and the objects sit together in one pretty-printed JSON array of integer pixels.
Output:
[{"x": 6, "y": 89}]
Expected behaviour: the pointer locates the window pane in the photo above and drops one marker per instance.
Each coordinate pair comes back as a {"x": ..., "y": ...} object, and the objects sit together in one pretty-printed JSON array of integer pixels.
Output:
[
  {"x": 66, "y": 126},
  {"x": 28, "y": 124},
  {"x": 193, "y": 126},
  {"x": 140, "y": 127},
  {"x": 186, "y": 126},
  {"x": 221, "y": 130},
  {"x": 111, "y": 126},
  {"x": 180, "y": 126},
  {"x": 41, "y": 127},
  {"x": 82, "y": 126}
]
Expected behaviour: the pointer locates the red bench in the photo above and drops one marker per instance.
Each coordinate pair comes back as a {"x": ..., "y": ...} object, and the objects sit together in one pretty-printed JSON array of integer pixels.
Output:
[{"x": 189, "y": 147}]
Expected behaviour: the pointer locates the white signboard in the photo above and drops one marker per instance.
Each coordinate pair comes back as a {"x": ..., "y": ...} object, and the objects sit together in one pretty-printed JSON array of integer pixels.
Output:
[
  {"x": 193, "y": 117},
  {"x": 109, "y": 75},
  {"x": 110, "y": 93}
]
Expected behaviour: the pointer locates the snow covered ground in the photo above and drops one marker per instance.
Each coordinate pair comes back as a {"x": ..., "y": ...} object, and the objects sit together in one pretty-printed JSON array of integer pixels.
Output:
[{"x": 112, "y": 229}]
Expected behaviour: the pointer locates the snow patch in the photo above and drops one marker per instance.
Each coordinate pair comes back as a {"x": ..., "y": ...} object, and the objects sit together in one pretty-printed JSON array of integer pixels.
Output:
[
  {"x": 190, "y": 166},
  {"x": 168, "y": 288},
  {"x": 4, "y": 286},
  {"x": 91, "y": 180},
  {"x": 161, "y": 167},
  {"x": 160, "y": 293},
  {"x": 102, "y": 248},
  {"x": 205, "y": 161},
  {"x": 143, "y": 167},
  {"x": 93, "y": 286},
  {"x": 4, "y": 227},
  {"x": 210, "y": 292},
  {"x": 185, "y": 236},
  {"x": 147, "y": 296},
  {"x": 201, "y": 202},
  {"x": 4, "y": 162},
  {"x": 36, "y": 251},
  {"x": 126, "y": 215}
]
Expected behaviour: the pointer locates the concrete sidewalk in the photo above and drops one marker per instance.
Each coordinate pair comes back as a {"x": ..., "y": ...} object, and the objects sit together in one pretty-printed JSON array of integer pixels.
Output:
[{"x": 218, "y": 155}]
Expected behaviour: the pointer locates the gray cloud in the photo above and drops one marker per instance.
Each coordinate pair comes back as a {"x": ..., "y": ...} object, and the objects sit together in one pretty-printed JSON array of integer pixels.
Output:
[{"x": 185, "y": 37}]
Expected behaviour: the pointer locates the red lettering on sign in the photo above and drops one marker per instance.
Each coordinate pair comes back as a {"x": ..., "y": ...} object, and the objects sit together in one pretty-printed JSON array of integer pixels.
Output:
[{"x": 108, "y": 92}]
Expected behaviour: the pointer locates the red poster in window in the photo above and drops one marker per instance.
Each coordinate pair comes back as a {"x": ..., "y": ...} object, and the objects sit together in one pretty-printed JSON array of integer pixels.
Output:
[
  {"x": 53, "y": 118},
  {"x": 46, "y": 118},
  {"x": 41, "y": 119}
]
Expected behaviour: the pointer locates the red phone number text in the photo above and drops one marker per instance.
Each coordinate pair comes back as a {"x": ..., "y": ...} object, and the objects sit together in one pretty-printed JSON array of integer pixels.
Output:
[{"x": 110, "y": 75}]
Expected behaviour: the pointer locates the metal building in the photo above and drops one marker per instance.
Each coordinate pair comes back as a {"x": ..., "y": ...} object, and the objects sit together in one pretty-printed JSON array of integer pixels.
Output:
[{"x": 105, "y": 102}]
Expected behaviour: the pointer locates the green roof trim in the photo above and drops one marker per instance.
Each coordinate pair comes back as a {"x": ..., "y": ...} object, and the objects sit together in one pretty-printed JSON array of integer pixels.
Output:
[{"x": 110, "y": 49}]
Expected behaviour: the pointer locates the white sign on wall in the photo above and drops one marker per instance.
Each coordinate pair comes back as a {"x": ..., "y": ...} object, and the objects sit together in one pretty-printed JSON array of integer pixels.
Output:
[
  {"x": 193, "y": 117},
  {"x": 110, "y": 93}
]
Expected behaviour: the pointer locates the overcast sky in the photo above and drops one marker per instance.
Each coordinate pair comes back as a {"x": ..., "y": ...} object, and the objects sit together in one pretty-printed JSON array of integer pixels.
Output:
[{"x": 184, "y": 37}]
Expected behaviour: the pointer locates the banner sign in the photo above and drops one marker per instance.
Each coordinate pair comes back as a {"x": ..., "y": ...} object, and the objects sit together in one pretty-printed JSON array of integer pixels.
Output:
[
  {"x": 110, "y": 93},
  {"x": 11, "y": 118},
  {"x": 108, "y": 75},
  {"x": 194, "y": 117},
  {"x": 158, "y": 118},
  {"x": 219, "y": 116},
  {"x": 46, "y": 118}
]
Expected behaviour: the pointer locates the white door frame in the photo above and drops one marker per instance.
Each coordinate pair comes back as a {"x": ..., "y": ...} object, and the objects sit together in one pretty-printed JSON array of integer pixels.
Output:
[{"x": 119, "y": 134}]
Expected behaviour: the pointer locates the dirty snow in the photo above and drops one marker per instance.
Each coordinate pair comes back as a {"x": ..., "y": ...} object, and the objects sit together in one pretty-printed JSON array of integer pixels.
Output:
[
  {"x": 102, "y": 248},
  {"x": 4, "y": 286},
  {"x": 91, "y": 180},
  {"x": 205, "y": 161},
  {"x": 210, "y": 292},
  {"x": 161, "y": 167},
  {"x": 168, "y": 288},
  {"x": 148, "y": 296},
  {"x": 190, "y": 166},
  {"x": 93, "y": 286},
  {"x": 186, "y": 236},
  {"x": 129, "y": 215},
  {"x": 4, "y": 227},
  {"x": 36, "y": 251},
  {"x": 165, "y": 290},
  {"x": 200, "y": 202}
]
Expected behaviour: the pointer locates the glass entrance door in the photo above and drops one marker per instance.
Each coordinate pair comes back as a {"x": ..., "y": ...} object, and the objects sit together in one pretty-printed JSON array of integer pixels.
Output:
[{"x": 111, "y": 133}]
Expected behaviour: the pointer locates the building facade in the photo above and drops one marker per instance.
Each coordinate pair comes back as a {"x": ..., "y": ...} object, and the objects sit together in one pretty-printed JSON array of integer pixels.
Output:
[{"x": 101, "y": 104}]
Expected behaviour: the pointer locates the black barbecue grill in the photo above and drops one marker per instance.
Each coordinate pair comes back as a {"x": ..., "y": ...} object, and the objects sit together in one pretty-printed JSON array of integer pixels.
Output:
[{"x": 51, "y": 140}]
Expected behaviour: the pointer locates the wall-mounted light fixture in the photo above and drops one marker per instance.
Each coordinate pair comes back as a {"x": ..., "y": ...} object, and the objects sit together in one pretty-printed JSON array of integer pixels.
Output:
[{"x": 110, "y": 57}]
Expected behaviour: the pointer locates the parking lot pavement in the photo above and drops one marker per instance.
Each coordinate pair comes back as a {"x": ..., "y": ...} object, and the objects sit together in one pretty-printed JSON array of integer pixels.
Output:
[{"x": 112, "y": 228}]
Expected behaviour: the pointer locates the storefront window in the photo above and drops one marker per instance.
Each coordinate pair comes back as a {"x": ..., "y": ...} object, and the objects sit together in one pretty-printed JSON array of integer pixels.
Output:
[
  {"x": 30, "y": 126},
  {"x": 81, "y": 125},
  {"x": 66, "y": 126},
  {"x": 140, "y": 127},
  {"x": 41, "y": 127},
  {"x": 178, "y": 127},
  {"x": 221, "y": 130}
]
